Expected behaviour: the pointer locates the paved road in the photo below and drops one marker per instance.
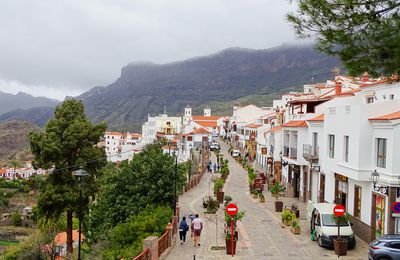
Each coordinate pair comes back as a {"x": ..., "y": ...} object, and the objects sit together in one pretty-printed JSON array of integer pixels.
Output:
[{"x": 261, "y": 235}]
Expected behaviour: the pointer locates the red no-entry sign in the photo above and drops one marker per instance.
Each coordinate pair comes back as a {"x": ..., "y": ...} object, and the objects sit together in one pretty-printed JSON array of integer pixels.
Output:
[
  {"x": 232, "y": 209},
  {"x": 339, "y": 210}
]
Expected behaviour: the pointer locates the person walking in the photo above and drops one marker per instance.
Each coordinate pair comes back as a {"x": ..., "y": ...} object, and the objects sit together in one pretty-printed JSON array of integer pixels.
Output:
[
  {"x": 192, "y": 216},
  {"x": 215, "y": 167},
  {"x": 197, "y": 227},
  {"x": 183, "y": 228},
  {"x": 218, "y": 166}
]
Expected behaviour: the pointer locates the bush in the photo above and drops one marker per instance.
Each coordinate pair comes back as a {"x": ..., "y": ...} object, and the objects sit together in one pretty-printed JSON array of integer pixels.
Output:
[
  {"x": 16, "y": 219},
  {"x": 218, "y": 184},
  {"x": 227, "y": 199},
  {"x": 212, "y": 205}
]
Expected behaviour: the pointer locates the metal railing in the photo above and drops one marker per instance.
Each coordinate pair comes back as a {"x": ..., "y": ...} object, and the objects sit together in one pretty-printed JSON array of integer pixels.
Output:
[
  {"x": 145, "y": 255},
  {"x": 310, "y": 152},
  {"x": 293, "y": 153},
  {"x": 286, "y": 151}
]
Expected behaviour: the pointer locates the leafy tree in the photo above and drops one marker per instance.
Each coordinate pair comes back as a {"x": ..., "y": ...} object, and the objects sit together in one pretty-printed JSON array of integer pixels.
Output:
[
  {"x": 363, "y": 33},
  {"x": 126, "y": 239},
  {"x": 148, "y": 179},
  {"x": 68, "y": 141}
]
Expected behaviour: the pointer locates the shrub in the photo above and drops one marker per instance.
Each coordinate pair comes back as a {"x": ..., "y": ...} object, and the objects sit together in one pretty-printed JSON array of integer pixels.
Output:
[
  {"x": 16, "y": 219},
  {"x": 295, "y": 223},
  {"x": 276, "y": 189},
  {"x": 212, "y": 205},
  {"x": 218, "y": 184}
]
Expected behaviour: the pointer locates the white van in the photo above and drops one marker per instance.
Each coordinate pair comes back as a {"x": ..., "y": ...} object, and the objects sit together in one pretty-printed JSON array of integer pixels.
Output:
[{"x": 321, "y": 220}]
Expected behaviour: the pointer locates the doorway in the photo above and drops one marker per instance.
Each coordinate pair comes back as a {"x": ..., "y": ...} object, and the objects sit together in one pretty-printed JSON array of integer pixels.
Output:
[{"x": 322, "y": 189}]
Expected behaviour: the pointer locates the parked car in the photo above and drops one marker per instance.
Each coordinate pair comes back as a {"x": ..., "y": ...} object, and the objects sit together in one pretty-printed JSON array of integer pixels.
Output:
[
  {"x": 386, "y": 247},
  {"x": 214, "y": 146},
  {"x": 235, "y": 153},
  {"x": 215, "y": 134},
  {"x": 326, "y": 229}
]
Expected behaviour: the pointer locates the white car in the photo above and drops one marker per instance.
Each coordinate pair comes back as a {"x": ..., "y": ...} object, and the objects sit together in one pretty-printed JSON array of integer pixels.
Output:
[
  {"x": 321, "y": 220},
  {"x": 235, "y": 153},
  {"x": 214, "y": 146}
]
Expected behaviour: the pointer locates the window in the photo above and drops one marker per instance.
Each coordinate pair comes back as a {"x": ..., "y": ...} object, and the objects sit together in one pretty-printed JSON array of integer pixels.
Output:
[
  {"x": 381, "y": 152},
  {"x": 331, "y": 141},
  {"x": 395, "y": 245},
  {"x": 332, "y": 110},
  {"x": 346, "y": 148},
  {"x": 370, "y": 100},
  {"x": 357, "y": 201},
  {"x": 391, "y": 96},
  {"x": 347, "y": 109},
  {"x": 190, "y": 138}
]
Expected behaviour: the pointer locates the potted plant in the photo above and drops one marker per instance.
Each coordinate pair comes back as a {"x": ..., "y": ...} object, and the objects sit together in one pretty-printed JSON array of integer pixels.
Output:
[
  {"x": 227, "y": 199},
  {"x": 212, "y": 205},
  {"x": 250, "y": 177},
  {"x": 295, "y": 226},
  {"x": 287, "y": 217},
  {"x": 276, "y": 189},
  {"x": 340, "y": 244},
  {"x": 218, "y": 185},
  {"x": 261, "y": 198},
  {"x": 228, "y": 243}
]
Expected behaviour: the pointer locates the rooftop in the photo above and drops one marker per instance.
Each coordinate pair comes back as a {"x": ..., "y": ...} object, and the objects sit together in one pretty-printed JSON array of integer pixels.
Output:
[
  {"x": 295, "y": 123},
  {"x": 391, "y": 116}
]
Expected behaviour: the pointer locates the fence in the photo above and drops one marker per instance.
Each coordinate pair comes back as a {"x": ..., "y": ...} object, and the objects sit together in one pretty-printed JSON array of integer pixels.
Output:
[
  {"x": 163, "y": 243},
  {"x": 145, "y": 255}
]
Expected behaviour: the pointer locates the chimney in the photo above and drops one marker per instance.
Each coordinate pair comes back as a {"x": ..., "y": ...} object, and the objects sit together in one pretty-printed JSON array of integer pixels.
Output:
[{"x": 338, "y": 88}]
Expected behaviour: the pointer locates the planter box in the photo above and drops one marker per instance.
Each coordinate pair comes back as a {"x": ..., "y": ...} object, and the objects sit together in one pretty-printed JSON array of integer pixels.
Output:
[
  {"x": 340, "y": 247},
  {"x": 295, "y": 230},
  {"x": 220, "y": 196},
  {"x": 228, "y": 244},
  {"x": 278, "y": 206}
]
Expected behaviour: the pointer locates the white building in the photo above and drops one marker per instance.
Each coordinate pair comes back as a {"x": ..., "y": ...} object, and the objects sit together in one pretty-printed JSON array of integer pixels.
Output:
[
  {"x": 161, "y": 126},
  {"x": 122, "y": 146}
]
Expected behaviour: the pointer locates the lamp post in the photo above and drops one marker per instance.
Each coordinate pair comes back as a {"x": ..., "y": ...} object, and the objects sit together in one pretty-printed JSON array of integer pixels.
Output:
[
  {"x": 190, "y": 159},
  {"x": 375, "y": 179},
  {"x": 80, "y": 173},
  {"x": 176, "y": 153}
]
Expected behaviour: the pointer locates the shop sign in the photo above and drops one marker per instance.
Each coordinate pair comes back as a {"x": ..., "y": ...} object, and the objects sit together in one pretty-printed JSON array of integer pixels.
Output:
[{"x": 340, "y": 177}]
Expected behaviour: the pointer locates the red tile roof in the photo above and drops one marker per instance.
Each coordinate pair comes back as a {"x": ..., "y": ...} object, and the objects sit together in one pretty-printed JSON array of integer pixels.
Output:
[
  {"x": 166, "y": 147},
  {"x": 392, "y": 116},
  {"x": 275, "y": 129},
  {"x": 61, "y": 238},
  {"x": 317, "y": 118},
  {"x": 206, "y": 118},
  {"x": 201, "y": 131},
  {"x": 207, "y": 123},
  {"x": 254, "y": 126},
  {"x": 295, "y": 123}
]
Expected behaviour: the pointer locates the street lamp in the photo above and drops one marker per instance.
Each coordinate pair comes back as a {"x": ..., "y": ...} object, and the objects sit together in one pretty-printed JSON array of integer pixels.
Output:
[
  {"x": 375, "y": 179},
  {"x": 176, "y": 153},
  {"x": 80, "y": 173},
  {"x": 190, "y": 158}
]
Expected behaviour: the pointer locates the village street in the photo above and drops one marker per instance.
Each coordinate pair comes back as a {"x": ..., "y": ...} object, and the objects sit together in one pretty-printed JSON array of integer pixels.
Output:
[{"x": 261, "y": 235}]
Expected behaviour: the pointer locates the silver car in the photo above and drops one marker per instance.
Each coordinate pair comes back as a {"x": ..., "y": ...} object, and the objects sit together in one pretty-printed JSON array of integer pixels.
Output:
[{"x": 386, "y": 247}]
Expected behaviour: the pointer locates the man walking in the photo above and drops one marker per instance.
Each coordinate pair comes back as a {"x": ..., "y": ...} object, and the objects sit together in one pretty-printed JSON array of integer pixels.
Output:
[{"x": 197, "y": 226}]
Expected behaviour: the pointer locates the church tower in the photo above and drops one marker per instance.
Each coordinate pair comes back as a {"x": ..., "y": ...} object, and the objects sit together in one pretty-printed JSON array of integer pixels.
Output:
[{"x": 188, "y": 115}]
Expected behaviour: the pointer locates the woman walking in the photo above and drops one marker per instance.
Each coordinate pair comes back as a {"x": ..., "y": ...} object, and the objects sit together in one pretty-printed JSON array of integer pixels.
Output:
[{"x": 183, "y": 228}]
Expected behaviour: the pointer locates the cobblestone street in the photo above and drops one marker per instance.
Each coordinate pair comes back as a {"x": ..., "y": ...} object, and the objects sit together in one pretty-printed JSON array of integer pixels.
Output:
[{"x": 261, "y": 235}]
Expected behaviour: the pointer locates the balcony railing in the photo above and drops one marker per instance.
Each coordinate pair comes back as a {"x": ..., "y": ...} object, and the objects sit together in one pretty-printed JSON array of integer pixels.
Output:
[
  {"x": 310, "y": 153},
  {"x": 286, "y": 151},
  {"x": 293, "y": 153}
]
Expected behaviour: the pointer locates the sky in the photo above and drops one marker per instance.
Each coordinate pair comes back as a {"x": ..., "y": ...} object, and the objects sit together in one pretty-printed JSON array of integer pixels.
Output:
[{"x": 59, "y": 48}]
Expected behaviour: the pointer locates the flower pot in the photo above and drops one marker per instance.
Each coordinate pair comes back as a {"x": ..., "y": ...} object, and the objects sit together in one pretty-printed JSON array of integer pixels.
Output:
[
  {"x": 228, "y": 244},
  {"x": 220, "y": 196},
  {"x": 262, "y": 199},
  {"x": 340, "y": 246},
  {"x": 287, "y": 222},
  {"x": 278, "y": 206},
  {"x": 295, "y": 230}
]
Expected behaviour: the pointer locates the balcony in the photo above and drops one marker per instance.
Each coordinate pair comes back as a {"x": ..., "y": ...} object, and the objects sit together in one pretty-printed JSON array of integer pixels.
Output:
[
  {"x": 293, "y": 153},
  {"x": 286, "y": 151},
  {"x": 310, "y": 153}
]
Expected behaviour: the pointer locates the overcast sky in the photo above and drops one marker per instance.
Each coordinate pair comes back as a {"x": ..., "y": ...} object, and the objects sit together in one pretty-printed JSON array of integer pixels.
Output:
[{"x": 64, "y": 47}]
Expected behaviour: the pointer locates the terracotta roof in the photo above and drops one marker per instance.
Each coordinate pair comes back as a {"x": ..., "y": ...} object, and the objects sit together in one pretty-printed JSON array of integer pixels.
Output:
[
  {"x": 275, "y": 129},
  {"x": 207, "y": 123},
  {"x": 201, "y": 131},
  {"x": 253, "y": 126},
  {"x": 114, "y": 133},
  {"x": 317, "y": 118},
  {"x": 166, "y": 147},
  {"x": 295, "y": 123},
  {"x": 392, "y": 116},
  {"x": 206, "y": 118},
  {"x": 61, "y": 238},
  {"x": 3, "y": 170}
]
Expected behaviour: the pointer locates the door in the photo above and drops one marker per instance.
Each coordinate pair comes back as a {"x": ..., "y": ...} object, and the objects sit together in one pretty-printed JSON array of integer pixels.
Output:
[
  {"x": 297, "y": 185},
  {"x": 322, "y": 189}
]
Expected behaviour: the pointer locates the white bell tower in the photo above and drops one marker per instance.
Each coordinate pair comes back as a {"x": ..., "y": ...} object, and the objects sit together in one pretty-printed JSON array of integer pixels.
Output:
[
  {"x": 207, "y": 111},
  {"x": 188, "y": 115}
]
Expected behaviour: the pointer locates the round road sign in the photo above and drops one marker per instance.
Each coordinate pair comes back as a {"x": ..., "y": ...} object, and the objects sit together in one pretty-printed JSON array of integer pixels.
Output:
[
  {"x": 339, "y": 210},
  {"x": 232, "y": 209},
  {"x": 396, "y": 207}
]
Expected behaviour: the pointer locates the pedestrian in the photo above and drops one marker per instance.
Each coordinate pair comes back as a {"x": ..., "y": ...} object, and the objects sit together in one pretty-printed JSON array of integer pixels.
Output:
[
  {"x": 215, "y": 167},
  {"x": 208, "y": 168},
  {"x": 183, "y": 228},
  {"x": 218, "y": 166},
  {"x": 192, "y": 216},
  {"x": 197, "y": 227}
]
